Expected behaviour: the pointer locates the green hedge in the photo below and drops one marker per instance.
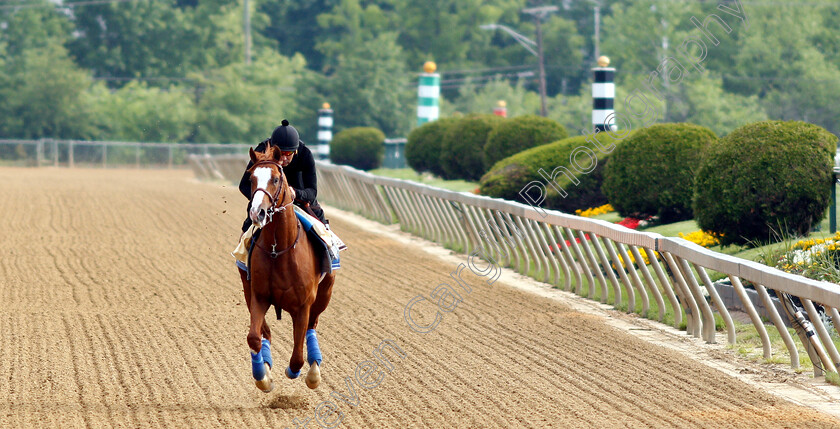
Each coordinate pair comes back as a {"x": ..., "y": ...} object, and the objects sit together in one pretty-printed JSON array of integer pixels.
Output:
[
  {"x": 765, "y": 178},
  {"x": 520, "y": 133},
  {"x": 360, "y": 147},
  {"x": 462, "y": 152},
  {"x": 423, "y": 146},
  {"x": 653, "y": 172},
  {"x": 509, "y": 176}
]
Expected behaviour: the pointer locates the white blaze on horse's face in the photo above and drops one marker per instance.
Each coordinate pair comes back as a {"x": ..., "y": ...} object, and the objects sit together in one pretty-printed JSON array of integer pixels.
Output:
[{"x": 259, "y": 204}]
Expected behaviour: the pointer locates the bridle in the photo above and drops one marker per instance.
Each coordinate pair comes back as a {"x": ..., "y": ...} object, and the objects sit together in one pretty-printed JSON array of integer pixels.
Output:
[
  {"x": 275, "y": 209},
  {"x": 273, "y": 198}
]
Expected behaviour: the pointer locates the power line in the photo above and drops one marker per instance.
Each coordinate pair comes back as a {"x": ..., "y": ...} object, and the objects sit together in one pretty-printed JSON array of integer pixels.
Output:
[{"x": 488, "y": 69}]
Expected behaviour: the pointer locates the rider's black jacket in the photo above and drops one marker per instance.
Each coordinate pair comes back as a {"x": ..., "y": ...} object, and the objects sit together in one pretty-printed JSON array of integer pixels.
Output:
[{"x": 301, "y": 176}]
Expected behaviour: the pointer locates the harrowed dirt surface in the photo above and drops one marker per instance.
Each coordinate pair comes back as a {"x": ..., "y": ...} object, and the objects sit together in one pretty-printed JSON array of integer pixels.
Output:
[{"x": 120, "y": 306}]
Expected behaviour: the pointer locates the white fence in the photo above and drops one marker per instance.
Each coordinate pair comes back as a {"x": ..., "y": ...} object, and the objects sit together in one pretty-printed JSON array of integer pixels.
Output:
[
  {"x": 71, "y": 153},
  {"x": 583, "y": 255}
]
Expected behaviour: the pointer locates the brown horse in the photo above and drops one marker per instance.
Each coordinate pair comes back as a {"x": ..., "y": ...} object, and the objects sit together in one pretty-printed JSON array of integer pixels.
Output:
[{"x": 284, "y": 271}]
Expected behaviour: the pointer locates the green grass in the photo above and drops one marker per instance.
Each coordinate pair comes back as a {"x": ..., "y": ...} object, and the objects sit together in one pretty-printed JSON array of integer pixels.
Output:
[
  {"x": 609, "y": 217},
  {"x": 749, "y": 346},
  {"x": 833, "y": 378},
  {"x": 426, "y": 179}
]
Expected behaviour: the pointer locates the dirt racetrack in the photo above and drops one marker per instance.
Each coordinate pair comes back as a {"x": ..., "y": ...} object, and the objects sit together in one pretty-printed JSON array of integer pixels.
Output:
[{"x": 121, "y": 307}]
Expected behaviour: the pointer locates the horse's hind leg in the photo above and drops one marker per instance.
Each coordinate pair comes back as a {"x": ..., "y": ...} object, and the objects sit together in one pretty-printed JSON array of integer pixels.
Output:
[
  {"x": 260, "y": 365},
  {"x": 313, "y": 350},
  {"x": 322, "y": 299}
]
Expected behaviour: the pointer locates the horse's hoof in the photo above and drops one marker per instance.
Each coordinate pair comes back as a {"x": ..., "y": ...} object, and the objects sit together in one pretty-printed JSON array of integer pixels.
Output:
[
  {"x": 292, "y": 375},
  {"x": 266, "y": 385},
  {"x": 313, "y": 377}
]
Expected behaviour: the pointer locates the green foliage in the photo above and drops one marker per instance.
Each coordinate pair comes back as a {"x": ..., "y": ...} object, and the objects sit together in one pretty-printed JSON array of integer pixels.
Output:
[
  {"x": 482, "y": 99},
  {"x": 511, "y": 175},
  {"x": 43, "y": 95},
  {"x": 360, "y": 147},
  {"x": 370, "y": 86},
  {"x": 290, "y": 25},
  {"x": 424, "y": 144},
  {"x": 762, "y": 177},
  {"x": 462, "y": 151},
  {"x": 447, "y": 31},
  {"x": 240, "y": 103},
  {"x": 708, "y": 105},
  {"x": 653, "y": 172},
  {"x": 137, "y": 112},
  {"x": 562, "y": 50},
  {"x": 362, "y": 57},
  {"x": 34, "y": 27},
  {"x": 521, "y": 133}
]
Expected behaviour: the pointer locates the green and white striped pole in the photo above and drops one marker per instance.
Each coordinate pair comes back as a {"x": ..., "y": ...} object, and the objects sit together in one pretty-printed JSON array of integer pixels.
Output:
[
  {"x": 428, "y": 93},
  {"x": 325, "y": 123}
]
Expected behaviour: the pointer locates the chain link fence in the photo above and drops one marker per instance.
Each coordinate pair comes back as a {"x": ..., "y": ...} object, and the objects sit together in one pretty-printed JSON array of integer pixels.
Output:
[{"x": 107, "y": 154}]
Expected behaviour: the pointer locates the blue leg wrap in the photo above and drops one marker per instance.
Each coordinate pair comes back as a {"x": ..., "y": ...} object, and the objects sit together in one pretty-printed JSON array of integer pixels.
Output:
[
  {"x": 257, "y": 366},
  {"x": 265, "y": 352},
  {"x": 292, "y": 375},
  {"x": 313, "y": 351}
]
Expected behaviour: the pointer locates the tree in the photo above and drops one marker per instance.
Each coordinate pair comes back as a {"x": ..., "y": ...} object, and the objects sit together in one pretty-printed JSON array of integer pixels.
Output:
[
  {"x": 137, "y": 112},
  {"x": 44, "y": 95},
  {"x": 707, "y": 104},
  {"x": 238, "y": 103},
  {"x": 36, "y": 26},
  {"x": 294, "y": 27},
  {"x": 563, "y": 51},
  {"x": 482, "y": 99},
  {"x": 371, "y": 87}
]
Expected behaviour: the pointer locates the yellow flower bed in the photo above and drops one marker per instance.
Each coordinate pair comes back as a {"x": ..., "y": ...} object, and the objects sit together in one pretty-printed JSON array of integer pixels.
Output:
[
  {"x": 807, "y": 244},
  {"x": 702, "y": 238},
  {"x": 815, "y": 258},
  {"x": 633, "y": 259},
  {"x": 594, "y": 211}
]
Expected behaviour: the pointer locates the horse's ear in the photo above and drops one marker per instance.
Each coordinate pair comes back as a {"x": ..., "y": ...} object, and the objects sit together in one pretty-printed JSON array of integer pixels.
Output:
[
  {"x": 253, "y": 155},
  {"x": 276, "y": 154}
]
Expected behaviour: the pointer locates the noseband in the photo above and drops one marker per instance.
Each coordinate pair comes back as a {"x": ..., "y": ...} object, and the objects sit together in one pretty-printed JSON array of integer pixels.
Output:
[{"x": 273, "y": 198}]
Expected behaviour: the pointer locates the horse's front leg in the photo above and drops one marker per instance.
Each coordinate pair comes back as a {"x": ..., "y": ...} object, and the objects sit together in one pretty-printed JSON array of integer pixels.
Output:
[
  {"x": 300, "y": 320},
  {"x": 246, "y": 289},
  {"x": 260, "y": 348}
]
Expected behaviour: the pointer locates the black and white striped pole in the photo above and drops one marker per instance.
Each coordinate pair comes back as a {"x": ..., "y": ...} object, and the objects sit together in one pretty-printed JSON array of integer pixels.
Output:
[
  {"x": 603, "y": 96},
  {"x": 325, "y": 124}
]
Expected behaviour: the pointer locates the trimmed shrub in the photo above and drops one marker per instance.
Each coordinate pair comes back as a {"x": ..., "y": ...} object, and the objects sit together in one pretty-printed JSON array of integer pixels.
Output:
[
  {"x": 652, "y": 173},
  {"x": 423, "y": 145},
  {"x": 574, "y": 154},
  {"x": 520, "y": 133},
  {"x": 462, "y": 152},
  {"x": 360, "y": 147},
  {"x": 766, "y": 178}
]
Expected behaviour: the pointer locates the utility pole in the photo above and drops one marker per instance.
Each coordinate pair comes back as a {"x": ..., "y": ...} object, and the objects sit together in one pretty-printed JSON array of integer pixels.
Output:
[
  {"x": 539, "y": 13},
  {"x": 247, "y": 32},
  {"x": 597, "y": 31}
]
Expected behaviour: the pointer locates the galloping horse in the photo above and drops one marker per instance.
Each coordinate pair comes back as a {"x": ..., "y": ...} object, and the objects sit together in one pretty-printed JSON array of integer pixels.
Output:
[{"x": 284, "y": 271}]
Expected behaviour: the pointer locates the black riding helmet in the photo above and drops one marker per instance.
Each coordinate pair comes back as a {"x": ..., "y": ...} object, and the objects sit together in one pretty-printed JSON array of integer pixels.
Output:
[{"x": 285, "y": 137}]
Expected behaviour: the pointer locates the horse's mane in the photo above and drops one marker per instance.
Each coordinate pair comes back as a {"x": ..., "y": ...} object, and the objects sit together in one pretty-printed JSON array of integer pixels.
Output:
[{"x": 267, "y": 155}]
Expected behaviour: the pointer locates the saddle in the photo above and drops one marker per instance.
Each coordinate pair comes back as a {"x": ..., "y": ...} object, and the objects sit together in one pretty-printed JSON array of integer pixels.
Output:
[{"x": 326, "y": 243}]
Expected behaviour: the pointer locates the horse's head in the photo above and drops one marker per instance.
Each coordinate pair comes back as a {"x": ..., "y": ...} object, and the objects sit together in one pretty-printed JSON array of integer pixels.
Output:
[{"x": 268, "y": 186}]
